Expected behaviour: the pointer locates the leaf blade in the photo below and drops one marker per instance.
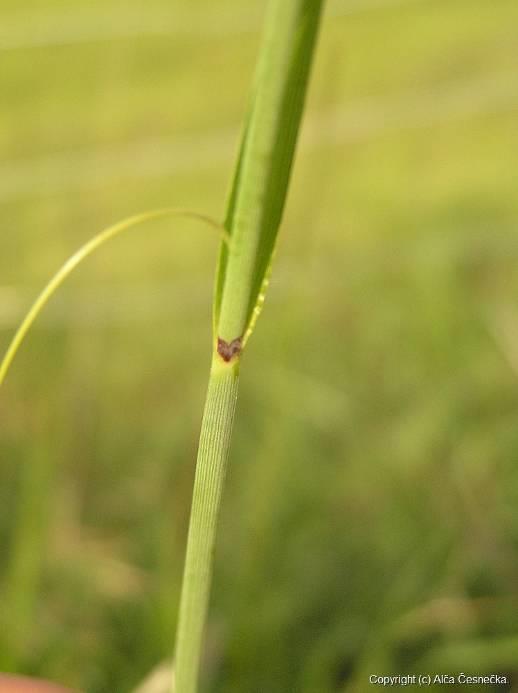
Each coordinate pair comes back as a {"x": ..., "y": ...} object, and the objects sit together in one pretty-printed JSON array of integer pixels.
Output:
[{"x": 265, "y": 162}]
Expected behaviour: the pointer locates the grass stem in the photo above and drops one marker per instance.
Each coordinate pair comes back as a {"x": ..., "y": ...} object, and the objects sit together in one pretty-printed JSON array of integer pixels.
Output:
[
  {"x": 254, "y": 213},
  {"x": 211, "y": 466}
]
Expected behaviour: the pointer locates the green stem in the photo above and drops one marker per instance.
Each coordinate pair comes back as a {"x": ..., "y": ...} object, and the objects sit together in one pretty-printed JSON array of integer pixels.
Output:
[
  {"x": 216, "y": 430},
  {"x": 253, "y": 217}
]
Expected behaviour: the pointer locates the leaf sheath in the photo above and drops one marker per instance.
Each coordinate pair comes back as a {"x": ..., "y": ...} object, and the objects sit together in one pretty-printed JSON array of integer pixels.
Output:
[{"x": 216, "y": 431}]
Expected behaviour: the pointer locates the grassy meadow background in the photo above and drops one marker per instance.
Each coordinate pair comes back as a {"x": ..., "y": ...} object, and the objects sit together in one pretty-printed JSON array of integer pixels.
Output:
[{"x": 370, "y": 522}]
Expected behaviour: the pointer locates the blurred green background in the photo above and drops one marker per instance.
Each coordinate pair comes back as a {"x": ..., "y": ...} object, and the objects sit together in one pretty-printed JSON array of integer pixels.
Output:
[{"x": 370, "y": 522}]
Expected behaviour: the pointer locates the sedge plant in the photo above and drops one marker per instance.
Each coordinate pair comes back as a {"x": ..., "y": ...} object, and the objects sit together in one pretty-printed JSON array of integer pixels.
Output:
[{"x": 248, "y": 236}]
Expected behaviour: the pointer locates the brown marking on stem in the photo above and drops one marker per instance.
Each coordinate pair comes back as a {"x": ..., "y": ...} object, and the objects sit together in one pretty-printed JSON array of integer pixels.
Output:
[{"x": 227, "y": 350}]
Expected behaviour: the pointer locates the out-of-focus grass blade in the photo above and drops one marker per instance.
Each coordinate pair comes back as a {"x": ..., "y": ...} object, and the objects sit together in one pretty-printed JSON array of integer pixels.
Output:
[
  {"x": 79, "y": 256},
  {"x": 264, "y": 165}
]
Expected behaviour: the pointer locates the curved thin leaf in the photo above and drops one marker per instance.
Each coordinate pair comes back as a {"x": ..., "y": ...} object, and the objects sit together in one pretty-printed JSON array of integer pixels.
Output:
[{"x": 77, "y": 258}]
